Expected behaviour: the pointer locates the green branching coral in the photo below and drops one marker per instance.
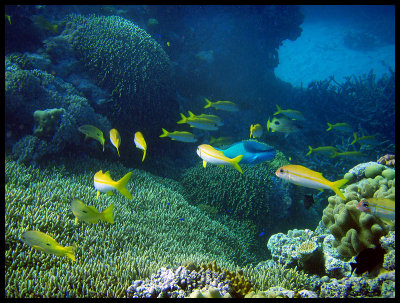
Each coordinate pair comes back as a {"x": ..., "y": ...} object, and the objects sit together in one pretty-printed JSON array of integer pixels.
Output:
[
  {"x": 264, "y": 277},
  {"x": 147, "y": 233},
  {"x": 244, "y": 195}
]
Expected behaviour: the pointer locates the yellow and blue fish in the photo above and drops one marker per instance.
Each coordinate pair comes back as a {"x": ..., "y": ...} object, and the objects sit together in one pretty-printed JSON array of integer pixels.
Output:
[
  {"x": 200, "y": 123},
  {"x": 343, "y": 127},
  {"x": 325, "y": 150},
  {"x": 214, "y": 118},
  {"x": 282, "y": 125},
  {"x": 115, "y": 139},
  {"x": 91, "y": 131},
  {"x": 140, "y": 143},
  {"x": 210, "y": 155},
  {"x": 290, "y": 113},
  {"x": 47, "y": 244},
  {"x": 222, "y": 105},
  {"x": 256, "y": 130},
  {"x": 104, "y": 184},
  {"x": 179, "y": 136},
  {"x": 367, "y": 140},
  {"x": 306, "y": 177},
  {"x": 90, "y": 214}
]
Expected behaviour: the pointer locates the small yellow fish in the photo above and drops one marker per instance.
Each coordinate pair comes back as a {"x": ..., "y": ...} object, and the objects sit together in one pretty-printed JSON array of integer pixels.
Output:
[
  {"x": 47, "y": 244},
  {"x": 90, "y": 214},
  {"x": 168, "y": 44},
  {"x": 179, "y": 136},
  {"x": 222, "y": 105},
  {"x": 256, "y": 130},
  {"x": 283, "y": 125},
  {"x": 380, "y": 207},
  {"x": 354, "y": 153},
  {"x": 140, "y": 143},
  {"x": 367, "y": 140},
  {"x": 200, "y": 123},
  {"x": 91, "y": 131},
  {"x": 104, "y": 184},
  {"x": 115, "y": 139},
  {"x": 214, "y": 118},
  {"x": 8, "y": 17},
  {"x": 325, "y": 150},
  {"x": 44, "y": 24},
  {"x": 306, "y": 177},
  {"x": 210, "y": 155},
  {"x": 291, "y": 113},
  {"x": 343, "y": 127}
]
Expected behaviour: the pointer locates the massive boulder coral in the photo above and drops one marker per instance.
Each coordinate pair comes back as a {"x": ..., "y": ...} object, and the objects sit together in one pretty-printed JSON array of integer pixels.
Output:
[
  {"x": 125, "y": 59},
  {"x": 353, "y": 229},
  {"x": 255, "y": 194}
]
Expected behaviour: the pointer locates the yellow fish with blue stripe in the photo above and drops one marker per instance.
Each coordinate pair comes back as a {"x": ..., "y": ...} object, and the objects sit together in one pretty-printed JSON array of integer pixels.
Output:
[
  {"x": 306, "y": 177},
  {"x": 222, "y": 105},
  {"x": 90, "y": 214},
  {"x": 290, "y": 113},
  {"x": 200, "y": 123},
  {"x": 91, "y": 131},
  {"x": 47, "y": 244},
  {"x": 140, "y": 143},
  {"x": 214, "y": 118},
  {"x": 115, "y": 139},
  {"x": 210, "y": 155},
  {"x": 381, "y": 207},
  {"x": 104, "y": 184}
]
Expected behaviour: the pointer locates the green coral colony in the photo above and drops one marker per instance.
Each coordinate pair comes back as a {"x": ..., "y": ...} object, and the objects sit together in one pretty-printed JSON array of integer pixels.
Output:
[{"x": 72, "y": 231}]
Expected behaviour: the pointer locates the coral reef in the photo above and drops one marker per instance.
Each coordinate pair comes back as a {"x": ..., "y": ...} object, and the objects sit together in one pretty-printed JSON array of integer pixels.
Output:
[
  {"x": 155, "y": 229},
  {"x": 387, "y": 160},
  {"x": 123, "y": 58},
  {"x": 27, "y": 91},
  {"x": 46, "y": 122},
  {"x": 245, "y": 196},
  {"x": 355, "y": 230},
  {"x": 388, "y": 244}
]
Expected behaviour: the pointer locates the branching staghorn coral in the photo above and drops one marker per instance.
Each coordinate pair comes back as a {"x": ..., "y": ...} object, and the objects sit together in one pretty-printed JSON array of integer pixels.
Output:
[{"x": 147, "y": 233}]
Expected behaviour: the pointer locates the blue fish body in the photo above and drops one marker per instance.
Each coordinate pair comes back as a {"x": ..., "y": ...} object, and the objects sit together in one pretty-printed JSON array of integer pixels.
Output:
[{"x": 254, "y": 152}]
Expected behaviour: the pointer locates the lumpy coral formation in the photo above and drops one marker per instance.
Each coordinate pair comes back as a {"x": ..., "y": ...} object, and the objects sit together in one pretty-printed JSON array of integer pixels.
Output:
[
  {"x": 353, "y": 229},
  {"x": 46, "y": 121}
]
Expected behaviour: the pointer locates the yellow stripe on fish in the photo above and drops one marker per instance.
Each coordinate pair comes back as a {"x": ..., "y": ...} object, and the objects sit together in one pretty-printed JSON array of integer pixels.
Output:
[
  {"x": 222, "y": 105},
  {"x": 104, "y": 184},
  {"x": 306, "y": 177},
  {"x": 210, "y": 155}
]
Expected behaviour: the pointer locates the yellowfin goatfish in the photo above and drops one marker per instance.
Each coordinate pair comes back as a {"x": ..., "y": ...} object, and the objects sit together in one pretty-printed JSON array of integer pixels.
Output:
[
  {"x": 290, "y": 113},
  {"x": 256, "y": 130},
  {"x": 90, "y": 214},
  {"x": 179, "y": 136},
  {"x": 380, "y": 207},
  {"x": 347, "y": 154},
  {"x": 104, "y": 184},
  {"x": 140, "y": 143},
  {"x": 115, "y": 139},
  {"x": 214, "y": 118},
  {"x": 47, "y": 244},
  {"x": 306, "y": 177},
  {"x": 343, "y": 127},
  {"x": 41, "y": 22},
  {"x": 210, "y": 155},
  {"x": 221, "y": 141},
  {"x": 200, "y": 123},
  {"x": 367, "y": 140},
  {"x": 222, "y": 105},
  {"x": 282, "y": 125},
  {"x": 325, "y": 150},
  {"x": 91, "y": 131}
]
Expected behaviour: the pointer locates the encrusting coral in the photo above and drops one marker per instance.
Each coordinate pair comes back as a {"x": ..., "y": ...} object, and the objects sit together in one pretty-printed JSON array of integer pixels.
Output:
[
  {"x": 156, "y": 228},
  {"x": 46, "y": 121}
]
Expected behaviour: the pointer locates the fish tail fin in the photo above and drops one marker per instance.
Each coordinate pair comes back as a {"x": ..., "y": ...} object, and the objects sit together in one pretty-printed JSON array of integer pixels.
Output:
[
  {"x": 108, "y": 214},
  {"x": 338, "y": 184},
  {"x": 118, "y": 153},
  {"x": 103, "y": 145},
  {"x": 335, "y": 154},
  {"x": 310, "y": 150},
  {"x": 235, "y": 163},
  {"x": 209, "y": 103},
  {"x": 164, "y": 134},
  {"x": 144, "y": 155},
  {"x": 279, "y": 110},
  {"x": 183, "y": 120},
  {"x": 122, "y": 183},
  {"x": 268, "y": 123},
  {"x": 191, "y": 115},
  {"x": 251, "y": 130},
  {"x": 69, "y": 253},
  {"x": 329, "y": 126},
  {"x": 355, "y": 139}
]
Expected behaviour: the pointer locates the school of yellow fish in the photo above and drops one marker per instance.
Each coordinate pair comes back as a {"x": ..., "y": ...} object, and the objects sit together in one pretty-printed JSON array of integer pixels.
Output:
[{"x": 295, "y": 174}]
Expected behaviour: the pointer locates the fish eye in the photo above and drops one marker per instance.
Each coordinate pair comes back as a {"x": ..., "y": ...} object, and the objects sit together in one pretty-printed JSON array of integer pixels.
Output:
[
  {"x": 48, "y": 244},
  {"x": 281, "y": 170},
  {"x": 277, "y": 122},
  {"x": 365, "y": 204}
]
